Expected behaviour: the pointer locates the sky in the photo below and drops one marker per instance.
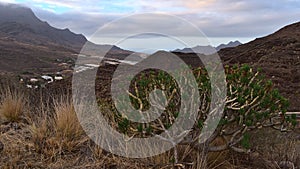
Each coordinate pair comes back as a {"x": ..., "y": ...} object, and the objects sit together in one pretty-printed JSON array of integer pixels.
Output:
[{"x": 220, "y": 21}]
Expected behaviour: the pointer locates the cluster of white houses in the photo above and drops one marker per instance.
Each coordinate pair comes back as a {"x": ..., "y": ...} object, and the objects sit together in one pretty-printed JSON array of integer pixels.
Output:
[
  {"x": 36, "y": 82},
  {"x": 42, "y": 80}
]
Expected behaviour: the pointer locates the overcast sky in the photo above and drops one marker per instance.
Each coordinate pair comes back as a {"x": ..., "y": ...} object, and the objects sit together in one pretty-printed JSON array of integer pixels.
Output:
[{"x": 220, "y": 20}]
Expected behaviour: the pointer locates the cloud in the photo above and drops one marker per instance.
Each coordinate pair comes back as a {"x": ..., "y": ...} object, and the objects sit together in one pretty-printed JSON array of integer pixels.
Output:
[
  {"x": 78, "y": 22},
  {"x": 7, "y": 1},
  {"x": 216, "y": 18}
]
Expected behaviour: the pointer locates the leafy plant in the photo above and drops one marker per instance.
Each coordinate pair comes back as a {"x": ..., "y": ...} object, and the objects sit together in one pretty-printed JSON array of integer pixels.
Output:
[{"x": 252, "y": 103}]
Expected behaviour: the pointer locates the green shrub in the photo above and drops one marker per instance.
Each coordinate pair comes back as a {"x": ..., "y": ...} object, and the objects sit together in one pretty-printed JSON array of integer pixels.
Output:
[{"x": 252, "y": 102}]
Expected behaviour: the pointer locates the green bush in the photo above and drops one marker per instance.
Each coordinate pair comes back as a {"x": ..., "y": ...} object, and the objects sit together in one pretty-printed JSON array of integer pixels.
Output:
[{"x": 252, "y": 103}]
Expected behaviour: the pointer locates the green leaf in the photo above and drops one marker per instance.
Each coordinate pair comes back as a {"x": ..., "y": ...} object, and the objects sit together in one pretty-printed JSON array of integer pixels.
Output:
[{"x": 245, "y": 142}]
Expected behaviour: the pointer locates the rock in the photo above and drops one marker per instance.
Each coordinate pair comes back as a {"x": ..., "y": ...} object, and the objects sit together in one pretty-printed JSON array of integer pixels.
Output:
[
  {"x": 286, "y": 165},
  {"x": 1, "y": 146}
]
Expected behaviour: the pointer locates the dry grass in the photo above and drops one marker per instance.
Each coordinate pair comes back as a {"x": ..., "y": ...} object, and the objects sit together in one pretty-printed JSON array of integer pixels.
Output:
[
  {"x": 13, "y": 105},
  {"x": 66, "y": 124},
  {"x": 53, "y": 138},
  {"x": 40, "y": 133},
  {"x": 61, "y": 134},
  {"x": 272, "y": 149}
]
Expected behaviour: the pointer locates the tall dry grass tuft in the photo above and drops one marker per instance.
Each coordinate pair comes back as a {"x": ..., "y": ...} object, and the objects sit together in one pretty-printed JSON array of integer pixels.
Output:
[
  {"x": 13, "y": 105},
  {"x": 66, "y": 124},
  {"x": 69, "y": 134},
  {"x": 59, "y": 133},
  {"x": 41, "y": 130}
]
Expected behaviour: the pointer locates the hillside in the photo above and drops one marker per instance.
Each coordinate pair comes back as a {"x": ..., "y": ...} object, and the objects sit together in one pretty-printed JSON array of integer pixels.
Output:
[
  {"x": 21, "y": 24},
  {"x": 279, "y": 57},
  {"x": 28, "y": 44}
]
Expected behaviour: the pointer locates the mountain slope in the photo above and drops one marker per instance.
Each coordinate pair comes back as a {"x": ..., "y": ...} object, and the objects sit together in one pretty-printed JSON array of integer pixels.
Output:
[
  {"x": 21, "y": 24},
  {"x": 279, "y": 57},
  {"x": 29, "y": 44}
]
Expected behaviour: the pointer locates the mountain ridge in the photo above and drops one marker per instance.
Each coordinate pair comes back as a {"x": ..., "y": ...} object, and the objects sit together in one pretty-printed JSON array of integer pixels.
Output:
[
  {"x": 30, "y": 44},
  {"x": 229, "y": 45},
  {"x": 208, "y": 50},
  {"x": 22, "y": 24}
]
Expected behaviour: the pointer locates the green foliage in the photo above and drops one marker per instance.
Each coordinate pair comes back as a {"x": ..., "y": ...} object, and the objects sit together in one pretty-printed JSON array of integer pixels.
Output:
[
  {"x": 251, "y": 101},
  {"x": 246, "y": 141},
  {"x": 124, "y": 125},
  {"x": 292, "y": 119}
]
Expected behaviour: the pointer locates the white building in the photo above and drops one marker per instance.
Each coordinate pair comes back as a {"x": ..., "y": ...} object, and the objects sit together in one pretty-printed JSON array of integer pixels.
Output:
[
  {"x": 58, "y": 78},
  {"x": 34, "y": 80},
  {"x": 48, "y": 78}
]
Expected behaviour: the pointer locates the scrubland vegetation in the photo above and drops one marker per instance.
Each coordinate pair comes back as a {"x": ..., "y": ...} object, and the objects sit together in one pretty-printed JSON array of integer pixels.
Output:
[{"x": 40, "y": 129}]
